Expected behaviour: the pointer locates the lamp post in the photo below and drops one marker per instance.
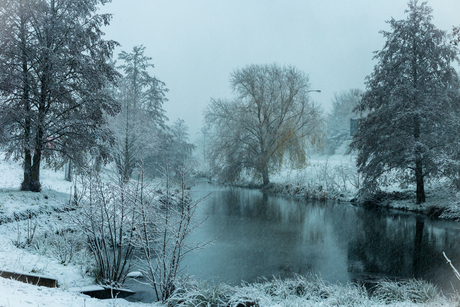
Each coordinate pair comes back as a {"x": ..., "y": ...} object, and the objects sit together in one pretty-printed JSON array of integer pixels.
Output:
[{"x": 318, "y": 91}]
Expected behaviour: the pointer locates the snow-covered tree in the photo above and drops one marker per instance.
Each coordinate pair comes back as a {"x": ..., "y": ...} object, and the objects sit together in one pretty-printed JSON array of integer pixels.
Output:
[
  {"x": 343, "y": 105},
  {"x": 412, "y": 100},
  {"x": 181, "y": 148},
  {"x": 174, "y": 150},
  {"x": 271, "y": 118},
  {"x": 53, "y": 74},
  {"x": 203, "y": 149},
  {"x": 140, "y": 123},
  {"x": 338, "y": 121},
  {"x": 456, "y": 35}
]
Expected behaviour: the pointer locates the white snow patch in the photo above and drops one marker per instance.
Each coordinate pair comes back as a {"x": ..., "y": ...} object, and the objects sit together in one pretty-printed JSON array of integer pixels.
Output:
[{"x": 134, "y": 274}]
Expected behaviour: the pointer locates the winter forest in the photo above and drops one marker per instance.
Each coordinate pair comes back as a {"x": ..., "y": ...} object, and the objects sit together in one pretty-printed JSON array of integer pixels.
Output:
[{"x": 275, "y": 201}]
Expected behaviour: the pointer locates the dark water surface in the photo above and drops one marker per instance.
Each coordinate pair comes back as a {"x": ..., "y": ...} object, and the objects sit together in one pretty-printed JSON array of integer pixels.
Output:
[{"x": 255, "y": 235}]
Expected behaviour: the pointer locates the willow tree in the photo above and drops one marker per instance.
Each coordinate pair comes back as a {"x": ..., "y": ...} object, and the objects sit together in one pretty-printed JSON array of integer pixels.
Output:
[
  {"x": 271, "y": 118},
  {"x": 412, "y": 103}
]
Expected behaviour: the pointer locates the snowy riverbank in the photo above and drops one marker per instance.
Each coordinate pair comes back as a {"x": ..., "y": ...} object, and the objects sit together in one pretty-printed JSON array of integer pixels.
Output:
[
  {"x": 336, "y": 178},
  {"x": 16, "y": 227}
]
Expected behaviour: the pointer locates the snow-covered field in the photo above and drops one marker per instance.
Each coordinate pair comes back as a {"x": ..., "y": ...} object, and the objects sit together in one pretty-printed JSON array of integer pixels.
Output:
[{"x": 15, "y": 204}]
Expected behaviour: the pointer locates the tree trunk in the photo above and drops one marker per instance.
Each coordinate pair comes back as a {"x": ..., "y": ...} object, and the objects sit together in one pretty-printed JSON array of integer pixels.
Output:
[
  {"x": 26, "y": 183},
  {"x": 126, "y": 172},
  {"x": 35, "y": 174},
  {"x": 418, "y": 163},
  {"x": 35, "y": 169},
  {"x": 264, "y": 163},
  {"x": 265, "y": 177},
  {"x": 68, "y": 171}
]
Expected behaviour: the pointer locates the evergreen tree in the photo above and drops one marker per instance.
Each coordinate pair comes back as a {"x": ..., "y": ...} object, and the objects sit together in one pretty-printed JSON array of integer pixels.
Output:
[{"x": 411, "y": 99}]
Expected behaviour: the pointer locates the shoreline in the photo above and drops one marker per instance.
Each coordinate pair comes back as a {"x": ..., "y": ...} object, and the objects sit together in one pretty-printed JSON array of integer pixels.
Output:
[{"x": 443, "y": 205}]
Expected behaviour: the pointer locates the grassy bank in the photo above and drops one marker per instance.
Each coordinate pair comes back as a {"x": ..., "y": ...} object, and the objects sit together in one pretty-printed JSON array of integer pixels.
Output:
[{"x": 310, "y": 291}]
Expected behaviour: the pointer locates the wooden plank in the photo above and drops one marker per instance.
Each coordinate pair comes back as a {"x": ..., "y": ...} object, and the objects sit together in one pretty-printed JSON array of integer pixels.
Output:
[
  {"x": 30, "y": 279},
  {"x": 102, "y": 292}
]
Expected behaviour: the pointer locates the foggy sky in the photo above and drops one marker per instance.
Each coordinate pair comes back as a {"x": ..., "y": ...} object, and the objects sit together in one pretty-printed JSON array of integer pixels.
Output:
[{"x": 196, "y": 44}]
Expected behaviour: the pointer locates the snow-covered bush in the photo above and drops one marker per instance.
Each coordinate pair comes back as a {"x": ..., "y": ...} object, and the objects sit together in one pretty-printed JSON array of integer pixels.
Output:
[
  {"x": 106, "y": 217},
  {"x": 322, "y": 179},
  {"x": 63, "y": 244},
  {"x": 338, "y": 179},
  {"x": 29, "y": 228},
  {"x": 162, "y": 225},
  {"x": 137, "y": 221},
  {"x": 325, "y": 180},
  {"x": 304, "y": 291}
]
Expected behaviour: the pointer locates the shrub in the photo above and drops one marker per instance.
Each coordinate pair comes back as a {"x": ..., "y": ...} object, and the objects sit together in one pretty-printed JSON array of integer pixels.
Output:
[
  {"x": 105, "y": 216},
  {"x": 162, "y": 225}
]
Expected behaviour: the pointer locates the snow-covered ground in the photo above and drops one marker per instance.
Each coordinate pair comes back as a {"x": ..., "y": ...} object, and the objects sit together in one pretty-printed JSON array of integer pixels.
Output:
[
  {"x": 15, "y": 204},
  {"x": 330, "y": 177}
]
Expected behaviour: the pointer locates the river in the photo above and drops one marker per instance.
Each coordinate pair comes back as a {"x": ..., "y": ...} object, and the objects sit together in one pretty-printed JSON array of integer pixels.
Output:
[{"x": 255, "y": 235}]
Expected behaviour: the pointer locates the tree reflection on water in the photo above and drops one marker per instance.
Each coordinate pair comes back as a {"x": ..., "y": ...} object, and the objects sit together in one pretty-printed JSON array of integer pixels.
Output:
[{"x": 257, "y": 235}]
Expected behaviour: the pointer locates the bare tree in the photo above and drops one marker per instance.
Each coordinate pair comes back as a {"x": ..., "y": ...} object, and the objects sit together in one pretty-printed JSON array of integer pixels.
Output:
[{"x": 270, "y": 119}]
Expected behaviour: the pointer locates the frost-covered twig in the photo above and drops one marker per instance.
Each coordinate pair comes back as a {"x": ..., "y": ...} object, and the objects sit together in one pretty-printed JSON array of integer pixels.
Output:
[{"x": 457, "y": 274}]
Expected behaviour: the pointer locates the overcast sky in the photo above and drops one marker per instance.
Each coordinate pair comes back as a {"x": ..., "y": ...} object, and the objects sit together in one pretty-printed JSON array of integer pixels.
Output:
[{"x": 196, "y": 44}]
